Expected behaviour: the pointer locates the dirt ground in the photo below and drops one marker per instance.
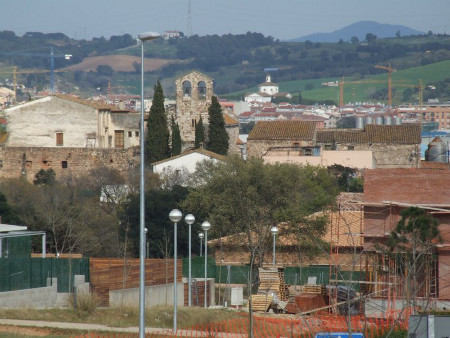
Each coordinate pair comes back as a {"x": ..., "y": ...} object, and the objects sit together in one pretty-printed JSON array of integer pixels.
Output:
[
  {"x": 120, "y": 63},
  {"x": 26, "y": 331}
]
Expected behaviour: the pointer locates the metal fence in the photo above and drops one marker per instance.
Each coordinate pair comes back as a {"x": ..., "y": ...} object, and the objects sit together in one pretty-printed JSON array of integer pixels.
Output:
[{"x": 27, "y": 273}]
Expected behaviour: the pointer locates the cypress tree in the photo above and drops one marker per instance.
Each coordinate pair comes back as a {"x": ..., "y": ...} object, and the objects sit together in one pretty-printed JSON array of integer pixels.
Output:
[
  {"x": 176, "y": 138},
  {"x": 157, "y": 140},
  {"x": 199, "y": 133},
  {"x": 217, "y": 135}
]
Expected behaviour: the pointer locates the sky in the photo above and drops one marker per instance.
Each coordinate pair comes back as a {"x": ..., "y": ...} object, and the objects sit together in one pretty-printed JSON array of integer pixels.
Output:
[{"x": 283, "y": 19}]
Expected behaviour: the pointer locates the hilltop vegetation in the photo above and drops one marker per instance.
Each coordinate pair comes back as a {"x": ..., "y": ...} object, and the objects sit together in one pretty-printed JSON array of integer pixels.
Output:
[{"x": 236, "y": 62}]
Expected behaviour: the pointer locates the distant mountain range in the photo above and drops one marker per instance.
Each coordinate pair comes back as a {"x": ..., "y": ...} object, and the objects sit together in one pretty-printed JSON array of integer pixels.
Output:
[{"x": 359, "y": 29}]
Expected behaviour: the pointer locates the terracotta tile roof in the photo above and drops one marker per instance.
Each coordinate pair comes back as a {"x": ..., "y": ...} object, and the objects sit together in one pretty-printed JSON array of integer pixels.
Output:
[
  {"x": 230, "y": 120},
  {"x": 340, "y": 136},
  {"x": 93, "y": 104},
  {"x": 283, "y": 130},
  {"x": 403, "y": 134}
]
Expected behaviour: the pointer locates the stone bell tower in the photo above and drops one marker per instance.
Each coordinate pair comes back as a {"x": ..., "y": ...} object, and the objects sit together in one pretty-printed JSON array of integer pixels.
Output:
[{"x": 194, "y": 93}]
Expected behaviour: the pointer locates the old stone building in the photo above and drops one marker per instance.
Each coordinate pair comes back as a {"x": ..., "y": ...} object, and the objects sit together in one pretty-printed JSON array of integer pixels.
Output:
[
  {"x": 67, "y": 121},
  {"x": 194, "y": 92},
  {"x": 376, "y": 146},
  {"x": 69, "y": 135}
]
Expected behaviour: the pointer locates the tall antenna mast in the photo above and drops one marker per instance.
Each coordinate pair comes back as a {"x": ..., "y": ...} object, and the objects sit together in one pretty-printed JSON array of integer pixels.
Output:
[{"x": 189, "y": 20}]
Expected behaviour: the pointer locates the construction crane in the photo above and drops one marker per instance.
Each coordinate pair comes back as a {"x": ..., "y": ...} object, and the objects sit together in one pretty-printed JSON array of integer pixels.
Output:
[
  {"x": 420, "y": 87},
  {"x": 52, "y": 62},
  {"x": 14, "y": 72},
  {"x": 342, "y": 83},
  {"x": 390, "y": 70}
]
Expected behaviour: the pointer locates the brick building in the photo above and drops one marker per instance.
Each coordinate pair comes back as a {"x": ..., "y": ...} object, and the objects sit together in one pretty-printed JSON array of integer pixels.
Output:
[{"x": 386, "y": 193}]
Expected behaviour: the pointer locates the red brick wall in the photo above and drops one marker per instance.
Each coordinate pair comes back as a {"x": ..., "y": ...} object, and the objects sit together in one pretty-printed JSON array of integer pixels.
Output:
[{"x": 408, "y": 185}]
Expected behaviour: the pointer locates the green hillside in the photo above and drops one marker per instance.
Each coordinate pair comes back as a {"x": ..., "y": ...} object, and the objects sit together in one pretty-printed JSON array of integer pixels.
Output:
[{"x": 361, "y": 92}]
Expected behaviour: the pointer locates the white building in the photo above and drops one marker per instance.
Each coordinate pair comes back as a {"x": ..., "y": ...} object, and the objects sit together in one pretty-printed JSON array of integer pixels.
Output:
[{"x": 67, "y": 121}]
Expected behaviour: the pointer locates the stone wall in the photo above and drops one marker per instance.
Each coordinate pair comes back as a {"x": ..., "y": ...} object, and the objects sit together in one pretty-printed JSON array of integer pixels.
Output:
[
  {"x": 76, "y": 162},
  {"x": 258, "y": 148}
]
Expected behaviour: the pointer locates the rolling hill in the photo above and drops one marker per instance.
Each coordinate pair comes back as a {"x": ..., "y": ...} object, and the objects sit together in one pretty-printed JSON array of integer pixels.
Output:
[{"x": 359, "y": 29}]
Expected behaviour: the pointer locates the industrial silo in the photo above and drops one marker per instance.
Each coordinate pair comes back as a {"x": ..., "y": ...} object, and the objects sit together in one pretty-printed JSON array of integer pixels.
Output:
[
  {"x": 379, "y": 120},
  {"x": 359, "y": 122},
  {"x": 397, "y": 121},
  {"x": 387, "y": 120},
  {"x": 437, "y": 151},
  {"x": 369, "y": 120}
]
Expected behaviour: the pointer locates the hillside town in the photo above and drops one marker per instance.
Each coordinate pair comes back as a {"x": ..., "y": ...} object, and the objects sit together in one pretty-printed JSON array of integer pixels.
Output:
[{"x": 320, "y": 212}]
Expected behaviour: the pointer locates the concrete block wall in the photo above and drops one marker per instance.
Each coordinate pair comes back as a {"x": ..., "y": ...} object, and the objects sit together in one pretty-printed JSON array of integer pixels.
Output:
[
  {"x": 38, "y": 298},
  {"x": 154, "y": 295}
]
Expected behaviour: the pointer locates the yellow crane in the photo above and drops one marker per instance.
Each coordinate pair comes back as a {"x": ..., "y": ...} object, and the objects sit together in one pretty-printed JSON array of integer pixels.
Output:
[
  {"x": 13, "y": 70},
  {"x": 389, "y": 70},
  {"x": 342, "y": 83}
]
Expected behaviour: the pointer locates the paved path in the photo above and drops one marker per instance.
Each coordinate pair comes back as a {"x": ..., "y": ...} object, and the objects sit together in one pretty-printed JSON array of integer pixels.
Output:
[{"x": 81, "y": 326}]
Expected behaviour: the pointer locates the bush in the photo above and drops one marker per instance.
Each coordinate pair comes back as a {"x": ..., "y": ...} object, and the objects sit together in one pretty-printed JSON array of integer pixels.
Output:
[{"x": 86, "y": 303}]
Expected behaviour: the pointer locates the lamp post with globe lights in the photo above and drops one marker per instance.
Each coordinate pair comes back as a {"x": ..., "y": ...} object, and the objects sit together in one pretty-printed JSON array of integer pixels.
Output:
[
  {"x": 206, "y": 226},
  {"x": 175, "y": 216},
  {"x": 274, "y": 232},
  {"x": 189, "y": 219},
  {"x": 143, "y": 37},
  {"x": 201, "y": 235}
]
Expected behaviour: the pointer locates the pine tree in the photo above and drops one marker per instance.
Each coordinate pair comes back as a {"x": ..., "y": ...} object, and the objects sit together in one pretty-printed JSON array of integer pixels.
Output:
[
  {"x": 157, "y": 140},
  {"x": 217, "y": 135},
  {"x": 199, "y": 133},
  {"x": 176, "y": 138}
]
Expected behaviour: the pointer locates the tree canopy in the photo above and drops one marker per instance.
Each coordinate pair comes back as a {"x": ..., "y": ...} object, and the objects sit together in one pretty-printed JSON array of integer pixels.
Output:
[
  {"x": 217, "y": 135},
  {"x": 176, "y": 138},
  {"x": 199, "y": 134},
  {"x": 251, "y": 197},
  {"x": 157, "y": 139}
]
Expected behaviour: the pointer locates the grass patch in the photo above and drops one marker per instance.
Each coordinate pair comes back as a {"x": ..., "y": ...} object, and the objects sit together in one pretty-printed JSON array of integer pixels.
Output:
[{"x": 158, "y": 316}]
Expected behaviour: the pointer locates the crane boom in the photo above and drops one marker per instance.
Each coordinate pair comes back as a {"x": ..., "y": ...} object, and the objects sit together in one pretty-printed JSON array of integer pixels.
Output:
[
  {"x": 389, "y": 70},
  {"x": 52, "y": 62}
]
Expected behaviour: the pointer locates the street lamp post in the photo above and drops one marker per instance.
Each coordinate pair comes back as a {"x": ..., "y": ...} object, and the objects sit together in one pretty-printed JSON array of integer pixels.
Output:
[
  {"x": 175, "y": 216},
  {"x": 189, "y": 219},
  {"x": 274, "y": 231},
  {"x": 206, "y": 226},
  {"x": 143, "y": 37},
  {"x": 201, "y": 235}
]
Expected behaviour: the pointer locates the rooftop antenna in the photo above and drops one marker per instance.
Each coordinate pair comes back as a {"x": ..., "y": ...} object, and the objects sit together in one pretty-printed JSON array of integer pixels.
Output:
[{"x": 189, "y": 19}]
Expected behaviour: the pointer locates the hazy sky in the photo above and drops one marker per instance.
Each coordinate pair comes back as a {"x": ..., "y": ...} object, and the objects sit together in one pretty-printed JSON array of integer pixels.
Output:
[{"x": 283, "y": 19}]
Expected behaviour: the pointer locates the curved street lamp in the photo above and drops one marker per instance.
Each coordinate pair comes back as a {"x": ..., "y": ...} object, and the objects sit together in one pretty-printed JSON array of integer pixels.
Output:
[
  {"x": 274, "y": 232},
  {"x": 143, "y": 37},
  {"x": 189, "y": 219},
  {"x": 206, "y": 226},
  {"x": 175, "y": 216}
]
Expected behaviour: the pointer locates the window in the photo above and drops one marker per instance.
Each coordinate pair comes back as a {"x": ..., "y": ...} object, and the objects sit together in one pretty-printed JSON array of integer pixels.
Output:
[
  {"x": 186, "y": 89},
  {"x": 130, "y": 134},
  {"x": 202, "y": 90},
  {"x": 308, "y": 152},
  {"x": 351, "y": 148},
  {"x": 136, "y": 133},
  {"x": 64, "y": 164},
  {"x": 194, "y": 123},
  {"x": 59, "y": 139},
  {"x": 327, "y": 146}
]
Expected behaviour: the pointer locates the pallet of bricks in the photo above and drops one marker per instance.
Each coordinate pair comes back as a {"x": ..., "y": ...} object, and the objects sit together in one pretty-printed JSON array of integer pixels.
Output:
[{"x": 271, "y": 283}]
